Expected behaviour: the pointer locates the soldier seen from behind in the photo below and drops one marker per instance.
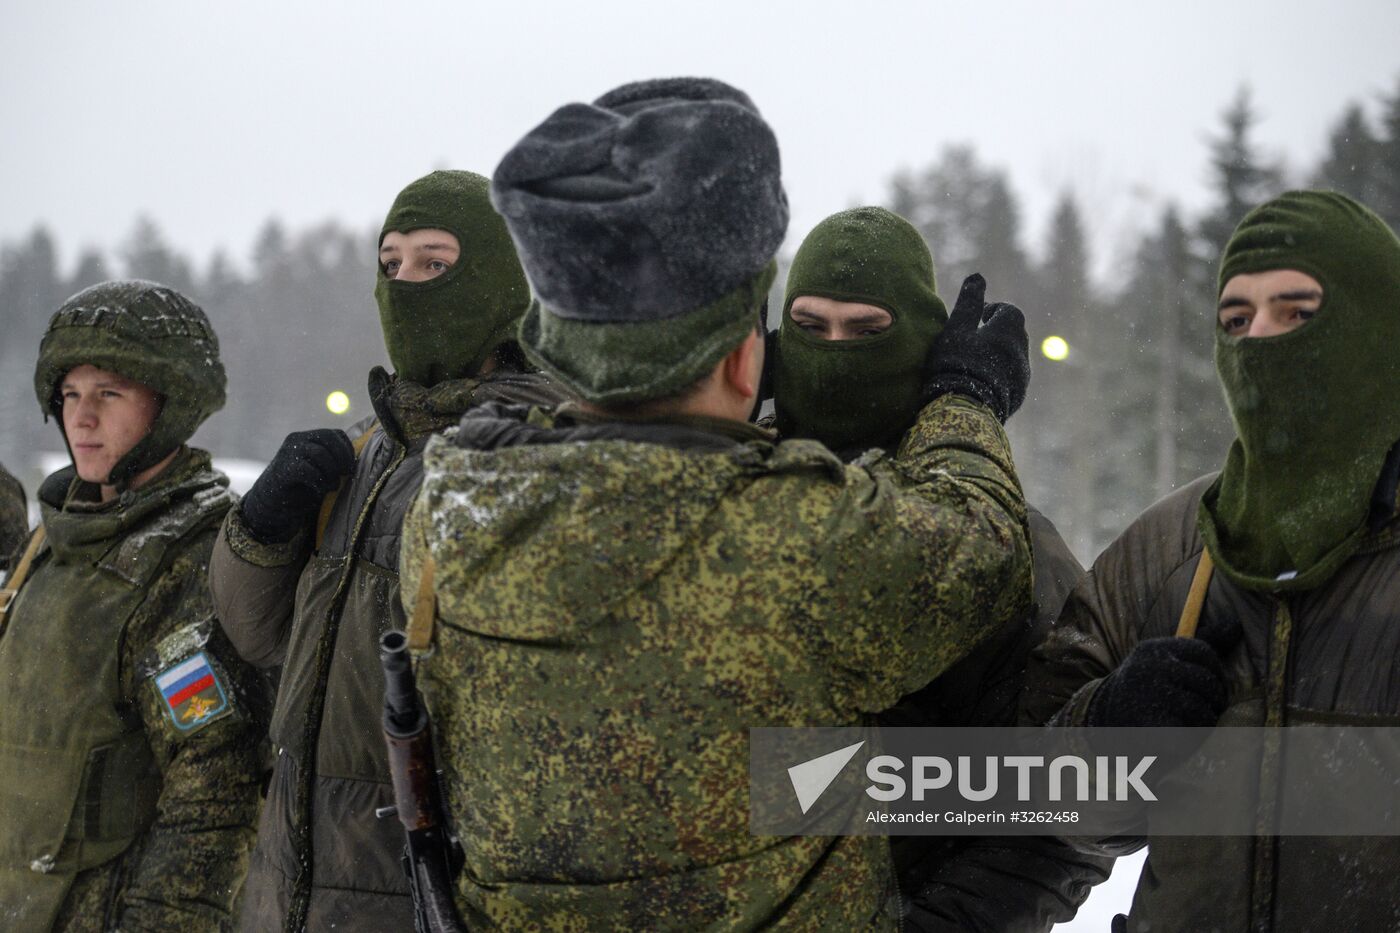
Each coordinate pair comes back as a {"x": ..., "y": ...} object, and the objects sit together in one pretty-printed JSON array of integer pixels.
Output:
[
  {"x": 131, "y": 747},
  {"x": 626, "y": 585},
  {"x": 305, "y": 572}
]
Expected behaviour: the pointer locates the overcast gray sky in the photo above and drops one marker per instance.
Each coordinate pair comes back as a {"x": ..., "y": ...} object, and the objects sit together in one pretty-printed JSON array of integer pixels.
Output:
[{"x": 211, "y": 117}]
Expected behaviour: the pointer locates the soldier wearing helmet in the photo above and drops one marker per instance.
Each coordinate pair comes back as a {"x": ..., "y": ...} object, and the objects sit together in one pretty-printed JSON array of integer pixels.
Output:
[{"x": 130, "y": 733}]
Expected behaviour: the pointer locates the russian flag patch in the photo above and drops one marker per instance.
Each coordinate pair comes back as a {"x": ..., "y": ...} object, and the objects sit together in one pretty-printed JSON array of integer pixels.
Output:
[{"x": 193, "y": 694}]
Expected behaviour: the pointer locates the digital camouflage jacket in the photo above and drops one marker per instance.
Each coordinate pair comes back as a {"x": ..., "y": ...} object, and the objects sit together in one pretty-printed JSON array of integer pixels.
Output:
[
  {"x": 323, "y": 859},
  {"x": 131, "y": 736},
  {"x": 619, "y": 603},
  {"x": 14, "y": 517},
  {"x": 994, "y": 884},
  {"x": 991, "y": 884}
]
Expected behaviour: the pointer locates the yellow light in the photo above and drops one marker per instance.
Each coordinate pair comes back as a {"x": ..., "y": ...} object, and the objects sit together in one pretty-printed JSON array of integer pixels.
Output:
[
  {"x": 338, "y": 402},
  {"x": 1055, "y": 348}
]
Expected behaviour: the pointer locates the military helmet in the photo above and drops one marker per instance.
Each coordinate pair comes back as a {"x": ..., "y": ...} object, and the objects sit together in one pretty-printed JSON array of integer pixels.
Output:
[{"x": 146, "y": 332}]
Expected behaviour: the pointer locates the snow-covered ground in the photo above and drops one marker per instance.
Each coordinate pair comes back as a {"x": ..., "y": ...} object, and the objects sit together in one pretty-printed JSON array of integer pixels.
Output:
[{"x": 1114, "y": 896}]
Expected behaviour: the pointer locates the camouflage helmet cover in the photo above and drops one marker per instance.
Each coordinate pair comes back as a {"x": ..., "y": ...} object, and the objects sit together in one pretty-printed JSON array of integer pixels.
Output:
[{"x": 146, "y": 332}]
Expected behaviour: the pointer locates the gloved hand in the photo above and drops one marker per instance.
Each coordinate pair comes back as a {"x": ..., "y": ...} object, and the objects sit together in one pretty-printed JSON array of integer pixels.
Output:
[
  {"x": 307, "y": 466},
  {"x": 1169, "y": 681},
  {"x": 983, "y": 352}
]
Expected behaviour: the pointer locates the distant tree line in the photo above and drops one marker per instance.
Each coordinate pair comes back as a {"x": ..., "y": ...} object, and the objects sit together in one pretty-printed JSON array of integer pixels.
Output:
[
  {"x": 300, "y": 324},
  {"x": 1133, "y": 411}
]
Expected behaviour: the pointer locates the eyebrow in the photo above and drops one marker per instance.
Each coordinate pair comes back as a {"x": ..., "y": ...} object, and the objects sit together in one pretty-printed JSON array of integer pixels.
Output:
[
  {"x": 873, "y": 317},
  {"x": 1301, "y": 294},
  {"x": 428, "y": 247}
]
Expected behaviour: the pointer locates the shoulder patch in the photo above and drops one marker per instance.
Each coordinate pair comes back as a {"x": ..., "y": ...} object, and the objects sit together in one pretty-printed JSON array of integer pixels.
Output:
[{"x": 194, "y": 693}]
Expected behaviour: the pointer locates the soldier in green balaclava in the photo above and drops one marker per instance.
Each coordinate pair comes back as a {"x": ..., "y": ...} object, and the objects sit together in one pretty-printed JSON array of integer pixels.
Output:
[
  {"x": 1292, "y": 552},
  {"x": 131, "y": 735},
  {"x": 1314, "y": 411},
  {"x": 421, "y": 306},
  {"x": 861, "y": 317},
  {"x": 306, "y": 578}
]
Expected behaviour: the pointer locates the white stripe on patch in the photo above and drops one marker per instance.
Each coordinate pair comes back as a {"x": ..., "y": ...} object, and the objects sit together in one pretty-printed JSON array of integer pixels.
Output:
[{"x": 181, "y": 670}]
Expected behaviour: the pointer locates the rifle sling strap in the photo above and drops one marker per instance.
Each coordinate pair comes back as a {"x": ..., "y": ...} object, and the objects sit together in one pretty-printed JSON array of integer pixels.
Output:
[
  {"x": 1196, "y": 598},
  {"x": 11, "y": 590},
  {"x": 424, "y": 617}
]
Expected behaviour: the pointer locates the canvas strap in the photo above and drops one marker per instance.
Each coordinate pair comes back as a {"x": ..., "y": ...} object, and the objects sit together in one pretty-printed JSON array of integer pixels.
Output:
[{"x": 12, "y": 585}]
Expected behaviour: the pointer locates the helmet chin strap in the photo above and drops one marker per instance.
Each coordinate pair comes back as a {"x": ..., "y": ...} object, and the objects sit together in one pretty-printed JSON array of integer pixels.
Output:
[{"x": 147, "y": 453}]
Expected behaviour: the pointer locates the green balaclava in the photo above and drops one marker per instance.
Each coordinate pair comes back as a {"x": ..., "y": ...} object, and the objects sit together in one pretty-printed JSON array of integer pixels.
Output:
[
  {"x": 1314, "y": 409},
  {"x": 866, "y": 392},
  {"x": 146, "y": 332},
  {"x": 447, "y": 327}
]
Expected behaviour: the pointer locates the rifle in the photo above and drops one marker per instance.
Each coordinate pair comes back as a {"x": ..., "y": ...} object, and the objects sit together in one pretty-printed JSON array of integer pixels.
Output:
[{"x": 432, "y": 856}]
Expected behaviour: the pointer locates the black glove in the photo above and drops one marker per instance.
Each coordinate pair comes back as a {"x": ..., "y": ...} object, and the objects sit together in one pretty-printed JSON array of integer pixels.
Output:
[
  {"x": 1169, "y": 681},
  {"x": 307, "y": 466},
  {"x": 983, "y": 353}
]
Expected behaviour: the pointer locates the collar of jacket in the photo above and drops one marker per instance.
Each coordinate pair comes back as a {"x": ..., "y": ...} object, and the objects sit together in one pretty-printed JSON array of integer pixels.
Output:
[
  {"x": 74, "y": 518},
  {"x": 495, "y": 426},
  {"x": 410, "y": 412}
]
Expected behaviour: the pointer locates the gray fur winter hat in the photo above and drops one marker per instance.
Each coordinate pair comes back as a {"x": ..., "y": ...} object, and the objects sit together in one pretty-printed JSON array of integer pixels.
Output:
[{"x": 647, "y": 223}]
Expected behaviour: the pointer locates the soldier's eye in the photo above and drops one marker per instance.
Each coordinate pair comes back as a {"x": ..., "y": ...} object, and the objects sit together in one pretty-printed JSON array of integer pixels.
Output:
[{"x": 1234, "y": 323}]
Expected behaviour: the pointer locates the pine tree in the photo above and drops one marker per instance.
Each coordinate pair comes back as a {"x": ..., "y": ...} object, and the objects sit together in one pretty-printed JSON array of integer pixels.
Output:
[
  {"x": 31, "y": 290},
  {"x": 91, "y": 269},
  {"x": 1388, "y": 161},
  {"x": 1242, "y": 179},
  {"x": 1167, "y": 334},
  {"x": 147, "y": 256},
  {"x": 1353, "y": 163},
  {"x": 1180, "y": 324},
  {"x": 1063, "y": 408},
  {"x": 970, "y": 219},
  {"x": 1239, "y": 175}
]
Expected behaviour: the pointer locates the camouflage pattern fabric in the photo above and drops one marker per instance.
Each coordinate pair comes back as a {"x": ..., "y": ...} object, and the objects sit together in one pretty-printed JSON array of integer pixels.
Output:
[
  {"x": 147, "y": 332},
  {"x": 14, "y": 518},
  {"x": 620, "y": 602},
  {"x": 183, "y": 871}
]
